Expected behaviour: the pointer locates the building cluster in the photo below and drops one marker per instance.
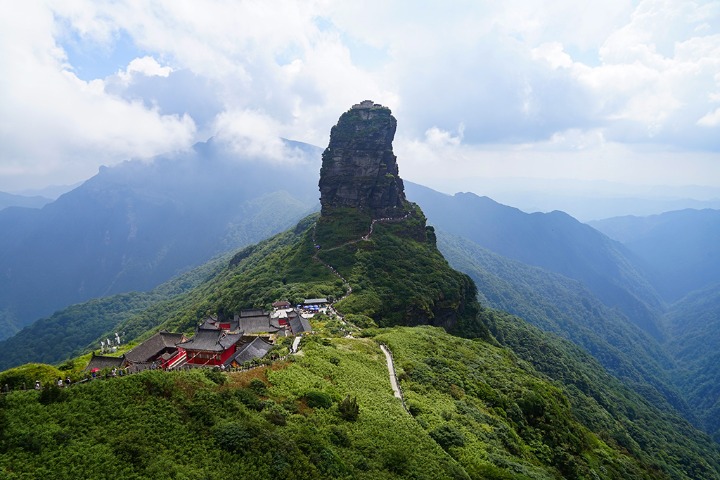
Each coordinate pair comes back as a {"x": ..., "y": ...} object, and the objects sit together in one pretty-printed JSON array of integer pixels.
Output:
[{"x": 225, "y": 343}]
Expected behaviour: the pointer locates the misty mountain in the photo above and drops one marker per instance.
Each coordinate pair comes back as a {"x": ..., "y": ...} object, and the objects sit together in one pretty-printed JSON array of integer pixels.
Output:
[
  {"x": 12, "y": 200},
  {"x": 138, "y": 224},
  {"x": 565, "y": 307},
  {"x": 553, "y": 241},
  {"x": 681, "y": 249}
]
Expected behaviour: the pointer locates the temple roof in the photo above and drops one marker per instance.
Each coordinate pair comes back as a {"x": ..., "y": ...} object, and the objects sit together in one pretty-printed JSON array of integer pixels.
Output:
[
  {"x": 257, "y": 324},
  {"x": 257, "y": 348},
  {"x": 154, "y": 346},
  {"x": 211, "y": 341},
  {"x": 104, "y": 361},
  {"x": 300, "y": 325}
]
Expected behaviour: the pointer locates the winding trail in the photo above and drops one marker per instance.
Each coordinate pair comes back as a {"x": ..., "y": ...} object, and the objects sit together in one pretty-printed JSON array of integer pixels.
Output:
[
  {"x": 364, "y": 238},
  {"x": 348, "y": 291}
]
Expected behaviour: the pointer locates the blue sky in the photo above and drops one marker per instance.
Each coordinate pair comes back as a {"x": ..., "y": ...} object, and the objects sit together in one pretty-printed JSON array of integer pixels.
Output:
[{"x": 625, "y": 92}]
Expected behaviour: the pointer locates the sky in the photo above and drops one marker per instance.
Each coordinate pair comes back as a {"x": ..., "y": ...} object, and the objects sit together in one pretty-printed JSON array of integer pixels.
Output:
[{"x": 486, "y": 93}]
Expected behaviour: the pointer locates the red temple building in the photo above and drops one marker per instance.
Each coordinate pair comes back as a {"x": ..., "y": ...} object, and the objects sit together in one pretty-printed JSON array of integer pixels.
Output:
[{"x": 210, "y": 347}]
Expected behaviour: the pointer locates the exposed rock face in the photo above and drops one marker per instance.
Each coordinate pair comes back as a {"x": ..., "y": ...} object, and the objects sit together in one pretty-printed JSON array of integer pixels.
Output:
[{"x": 359, "y": 168}]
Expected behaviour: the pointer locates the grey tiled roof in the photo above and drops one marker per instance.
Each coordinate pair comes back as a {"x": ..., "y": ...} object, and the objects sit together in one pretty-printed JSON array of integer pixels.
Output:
[
  {"x": 315, "y": 301},
  {"x": 257, "y": 324},
  {"x": 211, "y": 341},
  {"x": 252, "y": 312},
  {"x": 257, "y": 348},
  {"x": 154, "y": 345},
  {"x": 299, "y": 325},
  {"x": 103, "y": 361}
]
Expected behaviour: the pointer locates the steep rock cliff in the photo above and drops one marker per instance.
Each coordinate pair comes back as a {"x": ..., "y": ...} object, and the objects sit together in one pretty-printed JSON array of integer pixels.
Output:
[{"x": 359, "y": 169}]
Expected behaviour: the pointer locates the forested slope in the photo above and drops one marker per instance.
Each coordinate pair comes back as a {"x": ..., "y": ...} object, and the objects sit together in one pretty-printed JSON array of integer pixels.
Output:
[{"x": 567, "y": 308}]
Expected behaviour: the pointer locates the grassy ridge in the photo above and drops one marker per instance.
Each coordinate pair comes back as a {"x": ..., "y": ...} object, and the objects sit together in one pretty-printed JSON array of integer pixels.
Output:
[
  {"x": 477, "y": 411},
  {"x": 260, "y": 424}
]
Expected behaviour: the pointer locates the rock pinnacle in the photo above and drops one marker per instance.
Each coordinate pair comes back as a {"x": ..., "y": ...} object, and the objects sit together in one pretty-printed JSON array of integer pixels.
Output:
[{"x": 359, "y": 169}]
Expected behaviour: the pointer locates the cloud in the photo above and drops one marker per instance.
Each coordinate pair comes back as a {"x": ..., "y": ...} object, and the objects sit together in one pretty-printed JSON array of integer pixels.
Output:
[
  {"x": 56, "y": 126},
  {"x": 517, "y": 75},
  {"x": 146, "y": 66},
  {"x": 711, "y": 119},
  {"x": 252, "y": 134}
]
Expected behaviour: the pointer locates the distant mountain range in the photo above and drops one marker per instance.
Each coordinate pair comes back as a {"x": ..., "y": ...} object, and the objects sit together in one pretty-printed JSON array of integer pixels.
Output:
[
  {"x": 680, "y": 249},
  {"x": 553, "y": 241},
  {"x": 11, "y": 200},
  {"x": 135, "y": 225}
]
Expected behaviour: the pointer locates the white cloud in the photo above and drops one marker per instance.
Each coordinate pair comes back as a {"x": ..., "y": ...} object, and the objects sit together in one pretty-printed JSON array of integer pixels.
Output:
[
  {"x": 147, "y": 66},
  {"x": 56, "y": 126},
  {"x": 253, "y": 135},
  {"x": 517, "y": 75},
  {"x": 711, "y": 119}
]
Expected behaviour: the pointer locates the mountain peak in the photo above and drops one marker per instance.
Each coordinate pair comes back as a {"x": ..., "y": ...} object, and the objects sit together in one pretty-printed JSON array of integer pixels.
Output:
[{"x": 359, "y": 169}]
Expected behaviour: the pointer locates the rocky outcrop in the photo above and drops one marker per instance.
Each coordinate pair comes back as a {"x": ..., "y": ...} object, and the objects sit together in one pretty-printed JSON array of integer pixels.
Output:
[{"x": 359, "y": 169}]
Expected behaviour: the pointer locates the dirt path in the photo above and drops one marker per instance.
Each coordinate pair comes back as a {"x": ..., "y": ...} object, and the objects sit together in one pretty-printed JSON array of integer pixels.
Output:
[
  {"x": 391, "y": 371},
  {"x": 393, "y": 376}
]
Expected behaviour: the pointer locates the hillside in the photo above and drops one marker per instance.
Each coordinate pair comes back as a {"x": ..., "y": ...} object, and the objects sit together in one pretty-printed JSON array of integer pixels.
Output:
[
  {"x": 73, "y": 330},
  {"x": 695, "y": 325},
  {"x": 476, "y": 411},
  {"x": 553, "y": 241},
  {"x": 136, "y": 225},
  {"x": 568, "y": 309}
]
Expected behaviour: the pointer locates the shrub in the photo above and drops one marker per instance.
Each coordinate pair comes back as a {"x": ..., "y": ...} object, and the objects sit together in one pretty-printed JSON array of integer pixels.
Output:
[
  {"x": 215, "y": 375},
  {"x": 258, "y": 386},
  {"x": 290, "y": 405},
  {"x": 362, "y": 321},
  {"x": 249, "y": 398},
  {"x": 338, "y": 436},
  {"x": 234, "y": 436},
  {"x": 414, "y": 408},
  {"x": 349, "y": 409},
  {"x": 448, "y": 436},
  {"x": 51, "y": 394},
  {"x": 317, "y": 399},
  {"x": 396, "y": 461},
  {"x": 276, "y": 416}
]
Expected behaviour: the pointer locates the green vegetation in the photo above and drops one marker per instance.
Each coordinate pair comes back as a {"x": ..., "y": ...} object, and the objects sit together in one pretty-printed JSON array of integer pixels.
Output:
[
  {"x": 397, "y": 274},
  {"x": 477, "y": 411},
  {"x": 620, "y": 416},
  {"x": 497, "y": 417},
  {"x": 184, "y": 425},
  {"x": 695, "y": 325},
  {"x": 508, "y": 402},
  {"x": 563, "y": 306},
  {"x": 25, "y": 376}
]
